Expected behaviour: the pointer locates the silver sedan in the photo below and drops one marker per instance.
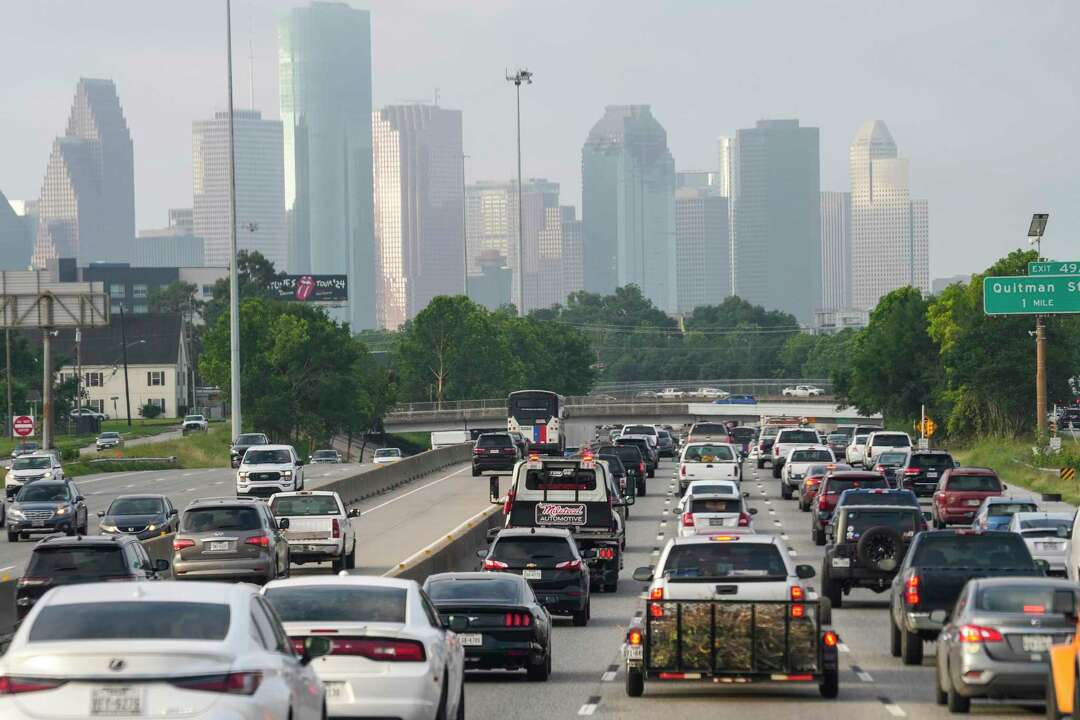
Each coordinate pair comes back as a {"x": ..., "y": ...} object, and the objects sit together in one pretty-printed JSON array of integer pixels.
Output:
[{"x": 1047, "y": 535}]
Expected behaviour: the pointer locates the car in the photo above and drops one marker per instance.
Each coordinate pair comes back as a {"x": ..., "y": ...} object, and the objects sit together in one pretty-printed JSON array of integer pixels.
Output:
[
  {"x": 812, "y": 481},
  {"x": 648, "y": 452},
  {"x": 320, "y": 527},
  {"x": 549, "y": 559},
  {"x": 386, "y": 456},
  {"x": 140, "y": 516},
  {"x": 269, "y": 469},
  {"x": 665, "y": 444},
  {"x": 390, "y": 656},
  {"x": 997, "y": 641},
  {"x": 1048, "y": 536},
  {"x": 802, "y": 391},
  {"x": 708, "y": 432},
  {"x": 891, "y": 463},
  {"x": 671, "y": 394},
  {"x": 58, "y": 560},
  {"x": 87, "y": 412},
  {"x": 995, "y": 512},
  {"x": 39, "y": 465},
  {"x": 708, "y": 461},
  {"x": 495, "y": 452},
  {"x": 325, "y": 457},
  {"x": 797, "y": 463},
  {"x": 645, "y": 395},
  {"x": 619, "y": 478},
  {"x": 742, "y": 437},
  {"x": 216, "y": 650},
  {"x": 241, "y": 445},
  {"x": 501, "y": 623},
  {"x": 932, "y": 575},
  {"x": 856, "y": 450},
  {"x": 960, "y": 493},
  {"x": 787, "y": 439},
  {"x": 711, "y": 393},
  {"x": 230, "y": 539},
  {"x": 108, "y": 439},
  {"x": 24, "y": 448},
  {"x": 194, "y": 423},
  {"x": 632, "y": 461},
  {"x": 47, "y": 506},
  {"x": 521, "y": 442},
  {"x": 648, "y": 432},
  {"x": 924, "y": 469},
  {"x": 715, "y": 514},
  {"x": 837, "y": 442},
  {"x": 738, "y": 399},
  {"x": 706, "y": 487},
  {"x": 828, "y": 494},
  {"x": 881, "y": 441}
]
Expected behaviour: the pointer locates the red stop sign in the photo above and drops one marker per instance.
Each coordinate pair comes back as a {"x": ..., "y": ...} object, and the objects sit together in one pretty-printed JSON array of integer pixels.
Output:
[{"x": 23, "y": 425}]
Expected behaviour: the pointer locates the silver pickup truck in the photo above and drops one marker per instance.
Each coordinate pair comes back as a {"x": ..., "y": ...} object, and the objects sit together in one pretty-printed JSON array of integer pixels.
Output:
[{"x": 320, "y": 527}]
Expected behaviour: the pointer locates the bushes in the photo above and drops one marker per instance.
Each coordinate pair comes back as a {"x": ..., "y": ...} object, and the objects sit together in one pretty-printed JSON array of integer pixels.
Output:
[{"x": 150, "y": 411}]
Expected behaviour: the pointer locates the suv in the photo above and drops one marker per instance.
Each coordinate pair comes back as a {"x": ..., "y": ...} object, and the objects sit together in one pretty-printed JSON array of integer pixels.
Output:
[
  {"x": 881, "y": 441},
  {"x": 665, "y": 444},
  {"x": 30, "y": 468},
  {"x": 924, "y": 470},
  {"x": 632, "y": 461},
  {"x": 494, "y": 451},
  {"x": 47, "y": 506},
  {"x": 960, "y": 494},
  {"x": 708, "y": 432},
  {"x": 230, "y": 539},
  {"x": 193, "y": 423},
  {"x": 59, "y": 560},
  {"x": 828, "y": 493},
  {"x": 648, "y": 452},
  {"x": 867, "y": 545},
  {"x": 787, "y": 440},
  {"x": 241, "y": 445},
  {"x": 798, "y": 463},
  {"x": 269, "y": 469}
]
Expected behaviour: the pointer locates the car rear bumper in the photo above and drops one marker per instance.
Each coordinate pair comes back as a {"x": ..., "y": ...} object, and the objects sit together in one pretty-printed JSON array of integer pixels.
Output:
[
  {"x": 493, "y": 463},
  {"x": 919, "y": 622},
  {"x": 964, "y": 515},
  {"x": 410, "y": 695},
  {"x": 508, "y": 655},
  {"x": 301, "y": 551},
  {"x": 250, "y": 570},
  {"x": 998, "y": 679}
]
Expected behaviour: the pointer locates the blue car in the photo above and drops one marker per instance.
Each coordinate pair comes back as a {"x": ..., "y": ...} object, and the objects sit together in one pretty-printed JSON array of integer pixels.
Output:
[
  {"x": 996, "y": 512},
  {"x": 736, "y": 400}
]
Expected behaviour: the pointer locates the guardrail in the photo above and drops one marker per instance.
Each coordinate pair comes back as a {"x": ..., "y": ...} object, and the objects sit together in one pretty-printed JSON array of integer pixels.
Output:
[
  {"x": 454, "y": 551},
  {"x": 459, "y": 406},
  {"x": 171, "y": 460}
]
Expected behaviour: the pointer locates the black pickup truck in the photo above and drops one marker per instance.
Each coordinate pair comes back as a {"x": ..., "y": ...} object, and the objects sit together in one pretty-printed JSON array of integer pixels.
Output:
[{"x": 937, "y": 566}]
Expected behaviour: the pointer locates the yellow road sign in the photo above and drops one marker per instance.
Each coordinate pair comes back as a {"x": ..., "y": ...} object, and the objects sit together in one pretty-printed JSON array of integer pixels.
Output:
[
  {"x": 1068, "y": 473},
  {"x": 926, "y": 428}
]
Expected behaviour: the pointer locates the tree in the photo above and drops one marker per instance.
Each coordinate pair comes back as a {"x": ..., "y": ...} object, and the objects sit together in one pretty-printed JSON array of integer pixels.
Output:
[
  {"x": 176, "y": 297},
  {"x": 254, "y": 276}
]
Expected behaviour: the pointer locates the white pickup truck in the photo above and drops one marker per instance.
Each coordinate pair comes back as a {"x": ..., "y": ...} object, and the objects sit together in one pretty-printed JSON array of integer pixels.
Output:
[
  {"x": 320, "y": 528},
  {"x": 708, "y": 461},
  {"x": 787, "y": 439}
]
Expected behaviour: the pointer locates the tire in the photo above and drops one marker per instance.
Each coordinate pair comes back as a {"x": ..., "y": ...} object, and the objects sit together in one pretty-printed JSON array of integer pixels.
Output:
[
  {"x": 1052, "y": 711},
  {"x": 831, "y": 589},
  {"x": 817, "y": 534},
  {"x": 350, "y": 561},
  {"x": 581, "y": 617},
  {"x": 785, "y": 491},
  {"x": 641, "y": 488},
  {"x": 776, "y": 471},
  {"x": 940, "y": 694},
  {"x": 440, "y": 714},
  {"x": 830, "y": 684},
  {"x": 881, "y": 548},
  {"x": 652, "y": 473},
  {"x": 803, "y": 506},
  {"x": 894, "y": 637},
  {"x": 475, "y": 472},
  {"x": 610, "y": 587},
  {"x": 12, "y": 536},
  {"x": 460, "y": 714},
  {"x": 635, "y": 683},
  {"x": 541, "y": 672},
  {"x": 911, "y": 648},
  {"x": 958, "y": 704}
]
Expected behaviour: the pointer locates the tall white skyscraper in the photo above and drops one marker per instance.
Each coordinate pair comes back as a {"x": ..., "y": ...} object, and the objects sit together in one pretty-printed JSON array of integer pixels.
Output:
[
  {"x": 889, "y": 232},
  {"x": 260, "y": 188},
  {"x": 726, "y": 147},
  {"x": 835, "y": 250}
]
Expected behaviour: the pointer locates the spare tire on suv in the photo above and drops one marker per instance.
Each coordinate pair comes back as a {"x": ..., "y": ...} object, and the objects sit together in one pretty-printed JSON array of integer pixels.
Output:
[{"x": 881, "y": 547}]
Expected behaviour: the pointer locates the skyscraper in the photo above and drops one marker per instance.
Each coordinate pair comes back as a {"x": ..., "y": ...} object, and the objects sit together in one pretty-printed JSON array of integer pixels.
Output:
[
  {"x": 16, "y": 238},
  {"x": 172, "y": 246},
  {"x": 324, "y": 74},
  {"x": 87, "y": 205},
  {"x": 777, "y": 247},
  {"x": 726, "y": 156},
  {"x": 260, "y": 190},
  {"x": 627, "y": 205},
  {"x": 702, "y": 241},
  {"x": 835, "y": 250},
  {"x": 890, "y": 233}
]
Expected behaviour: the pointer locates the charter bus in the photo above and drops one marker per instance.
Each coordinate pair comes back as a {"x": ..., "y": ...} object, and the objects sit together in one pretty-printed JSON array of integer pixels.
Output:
[{"x": 538, "y": 415}]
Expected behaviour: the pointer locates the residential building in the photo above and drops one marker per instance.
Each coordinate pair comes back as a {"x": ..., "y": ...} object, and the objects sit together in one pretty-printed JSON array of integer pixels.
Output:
[
  {"x": 702, "y": 241},
  {"x": 835, "y": 250},
  {"x": 324, "y": 74},
  {"x": 128, "y": 286},
  {"x": 260, "y": 189},
  {"x": 172, "y": 246},
  {"x": 87, "y": 204},
  {"x": 419, "y": 219},
  {"x": 777, "y": 241},
  {"x": 889, "y": 232},
  {"x": 16, "y": 237},
  {"x": 627, "y": 205}
]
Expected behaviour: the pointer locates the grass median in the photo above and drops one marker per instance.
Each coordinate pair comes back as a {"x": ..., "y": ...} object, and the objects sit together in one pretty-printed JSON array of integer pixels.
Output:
[
  {"x": 197, "y": 450},
  {"x": 1018, "y": 465},
  {"x": 141, "y": 427}
]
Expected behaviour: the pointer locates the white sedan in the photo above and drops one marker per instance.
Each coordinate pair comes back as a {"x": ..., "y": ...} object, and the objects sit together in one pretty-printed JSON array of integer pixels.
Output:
[
  {"x": 390, "y": 655},
  {"x": 144, "y": 650},
  {"x": 384, "y": 456}
]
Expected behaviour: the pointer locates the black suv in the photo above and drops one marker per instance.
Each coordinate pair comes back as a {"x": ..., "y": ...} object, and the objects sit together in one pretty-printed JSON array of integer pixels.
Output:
[
  {"x": 241, "y": 445},
  {"x": 59, "y": 560},
  {"x": 867, "y": 545},
  {"x": 495, "y": 451},
  {"x": 648, "y": 452},
  {"x": 924, "y": 469},
  {"x": 632, "y": 462}
]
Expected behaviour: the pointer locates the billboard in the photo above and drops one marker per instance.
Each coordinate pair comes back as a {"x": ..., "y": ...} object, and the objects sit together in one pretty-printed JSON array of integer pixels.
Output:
[{"x": 331, "y": 289}]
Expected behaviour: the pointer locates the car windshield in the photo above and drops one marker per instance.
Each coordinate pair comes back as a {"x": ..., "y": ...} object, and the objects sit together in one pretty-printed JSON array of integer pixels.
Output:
[
  {"x": 137, "y": 506},
  {"x": 708, "y": 429},
  {"x": 807, "y": 456},
  {"x": 820, "y": 470},
  {"x": 120, "y": 620},
  {"x": 559, "y": 476},
  {"x": 300, "y": 505},
  {"x": 859, "y": 520},
  {"x": 41, "y": 492},
  {"x": 543, "y": 551},
  {"x": 267, "y": 457},
  {"x": 494, "y": 441},
  {"x": 325, "y": 454},
  {"x": 90, "y": 560},
  {"x": 989, "y": 550},
  {"x": 207, "y": 519},
  {"x": 892, "y": 458},
  {"x": 835, "y": 486},
  {"x": 743, "y": 434},
  {"x": 974, "y": 483},
  {"x": 31, "y": 463},
  {"x": 837, "y": 438},
  {"x": 1010, "y": 508},
  {"x": 800, "y": 437},
  {"x": 109, "y": 435},
  {"x": 192, "y": 417},
  {"x": 708, "y": 454},
  {"x": 338, "y": 603},
  {"x": 388, "y": 452},
  {"x": 931, "y": 462},
  {"x": 729, "y": 560},
  {"x": 860, "y": 439},
  {"x": 251, "y": 439},
  {"x": 892, "y": 440},
  {"x": 26, "y": 447},
  {"x": 1016, "y": 598},
  {"x": 494, "y": 590},
  {"x": 715, "y": 505}
]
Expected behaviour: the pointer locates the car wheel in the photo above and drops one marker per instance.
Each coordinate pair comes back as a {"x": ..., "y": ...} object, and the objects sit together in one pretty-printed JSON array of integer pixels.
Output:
[
  {"x": 635, "y": 683},
  {"x": 611, "y": 586},
  {"x": 957, "y": 703},
  {"x": 831, "y": 589},
  {"x": 440, "y": 714},
  {"x": 776, "y": 471},
  {"x": 541, "y": 671},
  {"x": 824, "y": 611},
  {"x": 1052, "y": 711},
  {"x": 337, "y": 564},
  {"x": 475, "y": 472},
  {"x": 460, "y": 714},
  {"x": 652, "y": 473},
  {"x": 940, "y": 695},
  {"x": 830, "y": 684},
  {"x": 911, "y": 648},
  {"x": 581, "y": 617},
  {"x": 12, "y": 536},
  {"x": 785, "y": 491},
  {"x": 641, "y": 488},
  {"x": 3, "y": 515},
  {"x": 818, "y": 535},
  {"x": 894, "y": 637}
]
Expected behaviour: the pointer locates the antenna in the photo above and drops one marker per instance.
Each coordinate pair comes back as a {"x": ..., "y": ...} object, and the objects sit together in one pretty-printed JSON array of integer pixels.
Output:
[
  {"x": 436, "y": 96},
  {"x": 251, "y": 61}
]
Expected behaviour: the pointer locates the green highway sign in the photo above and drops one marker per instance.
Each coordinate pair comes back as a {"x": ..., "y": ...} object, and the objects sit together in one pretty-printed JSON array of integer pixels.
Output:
[
  {"x": 1024, "y": 295},
  {"x": 1054, "y": 267}
]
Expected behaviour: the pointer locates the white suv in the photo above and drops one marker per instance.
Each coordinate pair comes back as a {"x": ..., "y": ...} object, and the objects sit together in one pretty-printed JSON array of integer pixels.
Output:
[
  {"x": 269, "y": 469},
  {"x": 41, "y": 465}
]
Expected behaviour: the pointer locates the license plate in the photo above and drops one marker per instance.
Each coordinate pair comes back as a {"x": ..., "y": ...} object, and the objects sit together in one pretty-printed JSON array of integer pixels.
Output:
[
  {"x": 471, "y": 640},
  {"x": 931, "y": 474},
  {"x": 634, "y": 652},
  {"x": 974, "y": 503},
  {"x": 334, "y": 690},
  {"x": 1048, "y": 546},
  {"x": 716, "y": 522},
  {"x": 493, "y": 452},
  {"x": 841, "y": 562},
  {"x": 37, "y": 523},
  {"x": 1036, "y": 643},
  {"x": 116, "y": 701},
  {"x": 530, "y": 574},
  {"x": 219, "y": 545}
]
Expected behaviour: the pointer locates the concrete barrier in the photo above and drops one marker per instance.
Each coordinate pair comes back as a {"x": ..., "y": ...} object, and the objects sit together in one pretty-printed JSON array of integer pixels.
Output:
[
  {"x": 358, "y": 487},
  {"x": 454, "y": 551}
]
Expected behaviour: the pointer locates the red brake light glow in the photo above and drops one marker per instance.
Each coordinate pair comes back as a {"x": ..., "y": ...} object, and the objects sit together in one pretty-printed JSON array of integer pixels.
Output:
[
  {"x": 978, "y": 634},
  {"x": 179, "y": 545},
  {"x": 494, "y": 565},
  {"x": 797, "y": 593},
  {"x": 657, "y": 593},
  {"x": 830, "y": 639},
  {"x": 260, "y": 540},
  {"x": 568, "y": 565},
  {"x": 634, "y": 637},
  {"x": 517, "y": 619},
  {"x": 605, "y": 554},
  {"x": 744, "y": 519},
  {"x": 238, "y": 683},
  {"x": 18, "y": 685},
  {"x": 688, "y": 520},
  {"x": 911, "y": 590},
  {"x": 1034, "y": 609}
]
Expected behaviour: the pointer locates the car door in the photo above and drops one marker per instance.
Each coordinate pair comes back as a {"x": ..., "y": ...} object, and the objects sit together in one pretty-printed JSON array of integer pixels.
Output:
[
  {"x": 281, "y": 542},
  {"x": 305, "y": 692},
  {"x": 451, "y": 653},
  {"x": 78, "y": 502}
]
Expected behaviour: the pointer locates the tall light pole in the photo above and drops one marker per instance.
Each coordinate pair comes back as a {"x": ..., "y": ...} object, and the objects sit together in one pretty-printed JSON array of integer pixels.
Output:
[
  {"x": 1035, "y": 235},
  {"x": 521, "y": 76},
  {"x": 465, "y": 225},
  {"x": 234, "y": 281}
]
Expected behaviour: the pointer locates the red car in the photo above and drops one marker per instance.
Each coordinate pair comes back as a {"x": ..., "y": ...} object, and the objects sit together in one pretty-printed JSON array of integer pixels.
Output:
[
  {"x": 821, "y": 510},
  {"x": 814, "y": 477},
  {"x": 961, "y": 492}
]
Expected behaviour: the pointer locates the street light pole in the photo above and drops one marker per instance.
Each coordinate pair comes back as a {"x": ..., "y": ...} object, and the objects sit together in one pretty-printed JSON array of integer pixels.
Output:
[
  {"x": 465, "y": 225},
  {"x": 517, "y": 78},
  {"x": 123, "y": 353},
  {"x": 234, "y": 282},
  {"x": 1035, "y": 235}
]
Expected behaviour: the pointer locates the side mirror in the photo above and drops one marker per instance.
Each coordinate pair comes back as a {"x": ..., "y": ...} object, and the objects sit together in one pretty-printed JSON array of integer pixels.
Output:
[
  {"x": 299, "y": 463},
  {"x": 79, "y": 498},
  {"x": 1064, "y": 603},
  {"x": 353, "y": 513},
  {"x": 746, "y": 494},
  {"x": 1043, "y": 565},
  {"x": 457, "y": 623},
  {"x": 938, "y": 616},
  {"x": 283, "y": 524},
  {"x": 1004, "y": 486},
  {"x": 927, "y": 516},
  {"x": 805, "y": 572},
  {"x": 315, "y": 647},
  {"x": 101, "y": 513},
  {"x": 161, "y": 565},
  {"x": 643, "y": 574},
  {"x": 174, "y": 512},
  {"x": 482, "y": 553},
  {"x": 752, "y": 511}
]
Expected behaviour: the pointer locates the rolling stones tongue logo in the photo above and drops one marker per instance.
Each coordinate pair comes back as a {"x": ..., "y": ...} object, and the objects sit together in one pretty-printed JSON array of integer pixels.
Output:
[
  {"x": 305, "y": 287},
  {"x": 560, "y": 514}
]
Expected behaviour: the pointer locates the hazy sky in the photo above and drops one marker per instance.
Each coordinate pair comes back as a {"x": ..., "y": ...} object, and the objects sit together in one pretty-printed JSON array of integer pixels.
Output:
[{"x": 983, "y": 97}]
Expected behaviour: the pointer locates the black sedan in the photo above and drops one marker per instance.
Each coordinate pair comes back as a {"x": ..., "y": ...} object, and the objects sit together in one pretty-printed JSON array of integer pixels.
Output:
[
  {"x": 501, "y": 624},
  {"x": 144, "y": 516},
  {"x": 47, "y": 506}
]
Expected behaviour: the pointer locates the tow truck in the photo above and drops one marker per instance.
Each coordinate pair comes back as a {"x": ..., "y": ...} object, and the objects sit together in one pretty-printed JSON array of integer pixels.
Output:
[{"x": 732, "y": 610}]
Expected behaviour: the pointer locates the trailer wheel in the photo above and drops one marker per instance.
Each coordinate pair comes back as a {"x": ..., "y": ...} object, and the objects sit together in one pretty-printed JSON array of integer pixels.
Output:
[
  {"x": 830, "y": 684},
  {"x": 635, "y": 683}
]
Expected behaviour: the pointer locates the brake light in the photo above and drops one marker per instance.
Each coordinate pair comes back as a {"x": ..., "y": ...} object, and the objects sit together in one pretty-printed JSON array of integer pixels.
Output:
[
  {"x": 634, "y": 637},
  {"x": 382, "y": 649},
  {"x": 1034, "y": 609},
  {"x": 495, "y": 565},
  {"x": 517, "y": 619},
  {"x": 568, "y": 565},
  {"x": 911, "y": 590},
  {"x": 797, "y": 593},
  {"x": 18, "y": 685},
  {"x": 605, "y": 554},
  {"x": 656, "y": 610},
  {"x": 657, "y": 593},
  {"x": 978, "y": 634},
  {"x": 879, "y": 468},
  {"x": 477, "y": 451},
  {"x": 239, "y": 683},
  {"x": 744, "y": 519},
  {"x": 798, "y": 610},
  {"x": 335, "y": 528},
  {"x": 178, "y": 545},
  {"x": 682, "y": 470},
  {"x": 509, "y": 504},
  {"x": 911, "y": 471},
  {"x": 641, "y": 468},
  {"x": 821, "y": 503},
  {"x": 688, "y": 520},
  {"x": 259, "y": 540},
  {"x": 534, "y": 457},
  {"x": 830, "y": 639}
]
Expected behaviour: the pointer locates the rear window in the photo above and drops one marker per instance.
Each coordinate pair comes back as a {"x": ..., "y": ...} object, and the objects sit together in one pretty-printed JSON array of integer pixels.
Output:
[
  {"x": 860, "y": 439},
  {"x": 267, "y": 457},
  {"x": 164, "y": 620},
  {"x": 974, "y": 483},
  {"x": 629, "y": 454},
  {"x": 301, "y": 505},
  {"x": 897, "y": 440},
  {"x": 798, "y": 436},
  {"x": 709, "y": 429},
  {"x": 1018, "y": 598},
  {"x": 821, "y": 470},
  {"x": 77, "y": 561},
  {"x": 556, "y": 476},
  {"x": 208, "y": 519},
  {"x": 859, "y": 521},
  {"x": 811, "y": 456},
  {"x": 708, "y": 454},
  {"x": 835, "y": 486},
  {"x": 542, "y": 551},
  {"x": 869, "y": 498},
  {"x": 1006, "y": 509},
  {"x": 639, "y": 430},
  {"x": 742, "y": 434},
  {"x": 495, "y": 441},
  {"x": 990, "y": 550},
  {"x": 727, "y": 560},
  {"x": 892, "y": 458},
  {"x": 338, "y": 603},
  {"x": 932, "y": 462},
  {"x": 1045, "y": 527},
  {"x": 615, "y": 463},
  {"x": 494, "y": 589},
  {"x": 715, "y": 505}
]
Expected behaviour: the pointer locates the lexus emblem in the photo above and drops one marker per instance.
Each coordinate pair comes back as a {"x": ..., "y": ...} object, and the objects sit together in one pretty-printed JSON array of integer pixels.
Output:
[{"x": 116, "y": 664}]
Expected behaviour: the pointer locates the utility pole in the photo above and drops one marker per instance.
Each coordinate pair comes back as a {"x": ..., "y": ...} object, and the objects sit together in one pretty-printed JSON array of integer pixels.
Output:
[
  {"x": 123, "y": 353},
  {"x": 46, "y": 388},
  {"x": 1035, "y": 235},
  {"x": 7, "y": 353},
  {"x": 465, "y": 224},
  {"x": 521, "y": 76},
  {"x": 234, "y": 282}
]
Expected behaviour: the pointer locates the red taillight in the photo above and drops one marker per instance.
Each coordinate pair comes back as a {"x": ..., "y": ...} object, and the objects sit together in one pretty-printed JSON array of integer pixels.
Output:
[
  {"x": 18, "y": 685},
  {"x": 517, "y": 619},
  {"x": 911, "y": 471},
  {"x": 641, "y": 468},
  {"x": 568, "y": 565},
  {"x": 1034, "y": 609},
  {"x": 657, "y": 593},
  {"x": 605, "y": 554},
  {"x": 978, "y": 634},
  {"x": 830, "y": 639},
  {"x": 798, "y": 610},
  {"x": 821, "y": 503},
  {"x": 688, "y": 519},
  {"x": 634, "y": 637},
  {"x": 178, "y": 545},
  {"x": 260, "y": 540},
  {"x": 495, "y": 565},
  {"x": 879, "y": 468},
  {"x": 477, "y": 451},
  {"x": 382, "y": 649},
  {"x": 797, "y": 593},
  {"x": 238, "y": 683},
  {"x": 682, "y": 470},
  {"x": 509, "y": 504},
  {"x": 656, "y": 610},
  {"x": 911, "y": 590},
  {"x": 335, "y": 528},
  {"x": 744, "y": 519}
]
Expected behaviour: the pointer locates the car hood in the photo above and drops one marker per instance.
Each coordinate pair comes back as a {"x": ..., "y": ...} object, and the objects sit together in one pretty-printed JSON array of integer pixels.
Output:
[
  {"x": 266, "y": 467},
  {"x": 51, "y": 505},
  {"x": 17, "y": 474}
]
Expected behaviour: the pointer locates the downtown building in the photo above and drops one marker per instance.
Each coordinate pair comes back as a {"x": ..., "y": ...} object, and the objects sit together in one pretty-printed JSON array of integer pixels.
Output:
[
  {"x": 419, "y": 214},
  {"x": 702, "y": 240},
  {"x": 628, "y": 206},
  {"x": 777, "y": 210},
  {"x": 324, "y": 76},
  {"x": 86, "y": 209},
  {"x": 835, "y": 250},
  {"x": 889, "y": 231},
  {"x": 173, "y": 246},
  {"x": 260, "y": 191},
  {"x": 16, "y": 236}
]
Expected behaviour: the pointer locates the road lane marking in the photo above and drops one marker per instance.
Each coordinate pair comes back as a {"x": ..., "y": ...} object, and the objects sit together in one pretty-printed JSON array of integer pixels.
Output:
[
  {"x": 783, "y": 536},
  {"x": 130, "y": 486},
  {"x": 894, "y": 709},
  {"x": 608, "y": 676},
  {"x": 590, "y": 706},
  {"x": 405, "y": 495},
  {"x": 191, "y": 489}
]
